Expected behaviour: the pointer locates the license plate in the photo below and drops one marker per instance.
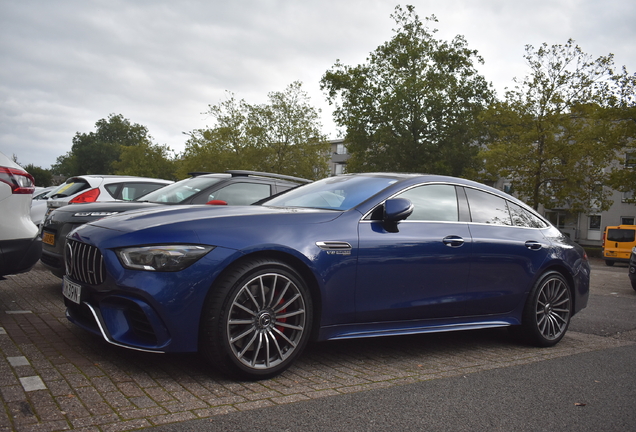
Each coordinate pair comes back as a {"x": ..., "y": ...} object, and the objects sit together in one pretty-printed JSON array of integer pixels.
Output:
[
  {"x": 48, "y": 238},
  {"x": 71, "y": 290},
  {"x": 610, "y": 253}
]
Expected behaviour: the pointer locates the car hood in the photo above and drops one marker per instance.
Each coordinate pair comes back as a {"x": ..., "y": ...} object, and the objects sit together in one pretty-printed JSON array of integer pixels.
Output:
[
  {"x": 234, "y": 227},
  {"x": 201, "y": 216}
]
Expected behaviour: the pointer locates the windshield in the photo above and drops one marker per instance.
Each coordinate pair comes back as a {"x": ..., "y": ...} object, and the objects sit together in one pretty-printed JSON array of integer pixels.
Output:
[
  {"x": 180, "y": 191},
  {"x": 333, "y": 193}
]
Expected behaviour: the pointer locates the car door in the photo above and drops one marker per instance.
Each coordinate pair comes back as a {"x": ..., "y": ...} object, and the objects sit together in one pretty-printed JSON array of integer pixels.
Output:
[
  {"x": 420, "y": 269},
  {"x": 508, "y": 250}
]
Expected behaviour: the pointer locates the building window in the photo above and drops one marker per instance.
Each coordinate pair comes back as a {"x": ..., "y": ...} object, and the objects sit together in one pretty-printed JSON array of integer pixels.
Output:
[
  {"x": 595, "y": 223},
  {"x": 629, "y": 220},
  {"x": 341, "y": 149},
  {"x": 630, "y": 159},
  {"x": 507, "y": 187},
  {"x": 628, "y": 197}
]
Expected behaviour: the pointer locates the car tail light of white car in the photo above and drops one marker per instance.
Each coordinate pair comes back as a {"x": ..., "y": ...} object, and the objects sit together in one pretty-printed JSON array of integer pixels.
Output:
[{"x": 21, "y": 182}]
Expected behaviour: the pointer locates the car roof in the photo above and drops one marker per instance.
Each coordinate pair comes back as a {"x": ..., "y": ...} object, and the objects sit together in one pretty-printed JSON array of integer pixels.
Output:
[{"x": 251, "y": 174}]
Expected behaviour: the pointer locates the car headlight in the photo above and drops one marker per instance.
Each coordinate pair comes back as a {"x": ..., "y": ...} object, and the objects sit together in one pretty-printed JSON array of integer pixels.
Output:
[{"x": 166, "y": 258}]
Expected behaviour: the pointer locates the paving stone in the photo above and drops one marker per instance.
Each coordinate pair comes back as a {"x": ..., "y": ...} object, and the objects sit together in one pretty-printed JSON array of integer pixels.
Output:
[{"x": 90, "y": 385}]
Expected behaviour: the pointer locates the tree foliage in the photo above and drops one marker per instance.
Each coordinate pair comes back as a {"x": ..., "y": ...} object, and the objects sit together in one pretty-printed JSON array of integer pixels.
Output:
[
  {"x": 624, "y": 115},
  {"x": 283, "y": 136},
  {"x": 95, "y": 152},
  {"x": 42, "y": 177},
  {"x": 413, "y": 105},
  {"x": 555, "y": 133},
  {"x": 146, "y": 160}
]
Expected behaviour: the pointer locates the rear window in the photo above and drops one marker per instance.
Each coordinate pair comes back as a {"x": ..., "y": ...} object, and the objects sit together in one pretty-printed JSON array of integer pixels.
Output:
[
  {"x": 620, "y": 235},
  {"x": 70, "y": 188}
]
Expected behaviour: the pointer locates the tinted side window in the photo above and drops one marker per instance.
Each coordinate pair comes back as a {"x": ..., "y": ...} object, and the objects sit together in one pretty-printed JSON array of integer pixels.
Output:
[
  {"x": 523, "y": 218},
  {"x": 620, "y": 235},
  {"x": 241, "y": 193},
  {"x": 487, "y": 208},
  {"x": 433, "y": 203}
]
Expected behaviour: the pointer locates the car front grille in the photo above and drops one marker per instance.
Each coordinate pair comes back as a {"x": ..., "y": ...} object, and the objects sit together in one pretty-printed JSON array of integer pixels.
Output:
[{"x": 84, "y": 263}]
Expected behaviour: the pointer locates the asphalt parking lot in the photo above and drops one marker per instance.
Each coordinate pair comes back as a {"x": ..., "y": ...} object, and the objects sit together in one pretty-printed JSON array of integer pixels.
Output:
[{"x": 54, "y": 376}]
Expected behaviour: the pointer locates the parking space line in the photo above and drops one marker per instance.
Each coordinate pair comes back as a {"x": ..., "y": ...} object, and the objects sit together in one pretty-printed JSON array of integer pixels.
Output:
[{"x": 32, "y": 383}]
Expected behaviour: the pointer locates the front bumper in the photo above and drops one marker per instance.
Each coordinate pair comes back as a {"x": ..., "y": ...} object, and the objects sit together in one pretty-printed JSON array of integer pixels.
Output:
[{"x": 147, "y": 311}]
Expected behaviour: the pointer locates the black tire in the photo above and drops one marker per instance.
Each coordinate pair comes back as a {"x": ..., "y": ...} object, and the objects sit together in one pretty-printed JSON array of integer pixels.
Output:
[
  {"x": 547, "y": 312},
  {"x": 633, "y": 282},
  {"x": 251, "y": 331},
  {"x": 609, "y": 263}
]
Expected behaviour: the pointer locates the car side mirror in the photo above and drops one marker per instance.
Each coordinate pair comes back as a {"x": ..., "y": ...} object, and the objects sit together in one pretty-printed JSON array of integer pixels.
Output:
[
  {"x": 216, "y": 202},
  {"x": 397, "y": 209}
]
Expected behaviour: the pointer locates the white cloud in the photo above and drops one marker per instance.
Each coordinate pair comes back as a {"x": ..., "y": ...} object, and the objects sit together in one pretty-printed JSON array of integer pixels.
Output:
[{"x": 69, "y": 63}]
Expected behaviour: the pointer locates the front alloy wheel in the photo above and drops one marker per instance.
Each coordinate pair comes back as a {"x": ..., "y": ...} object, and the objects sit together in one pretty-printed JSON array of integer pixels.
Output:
[
  {"x": 259, "y": 320},
  {"x": 266, "y": 321},
  {"x": 548, "y": 310}
]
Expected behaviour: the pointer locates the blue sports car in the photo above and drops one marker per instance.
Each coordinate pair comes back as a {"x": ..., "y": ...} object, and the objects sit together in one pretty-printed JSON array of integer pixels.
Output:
[{"x": 359, "y": 255}]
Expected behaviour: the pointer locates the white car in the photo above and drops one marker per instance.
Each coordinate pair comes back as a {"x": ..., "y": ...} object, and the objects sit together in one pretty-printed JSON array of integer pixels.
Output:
[
  {"x": 38, "y": 203},
  {"x": 20, "y": 245},
  {"x": 92, "y": 188}
]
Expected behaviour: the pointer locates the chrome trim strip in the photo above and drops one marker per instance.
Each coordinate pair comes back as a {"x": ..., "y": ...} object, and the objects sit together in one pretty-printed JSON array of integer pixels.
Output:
[
  {"x": 421, "y": 330},
  {"x": 333, "y": 245},
  {"x": 112, "y": 342}
]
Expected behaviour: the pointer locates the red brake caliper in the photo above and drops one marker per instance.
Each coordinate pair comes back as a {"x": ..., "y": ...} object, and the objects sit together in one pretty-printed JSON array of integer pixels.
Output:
[{"x": 280, "y": 328}]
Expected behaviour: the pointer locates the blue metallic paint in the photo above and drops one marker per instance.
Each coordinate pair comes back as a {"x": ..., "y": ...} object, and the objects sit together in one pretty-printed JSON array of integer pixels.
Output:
[{"x": 376, "y": 289}]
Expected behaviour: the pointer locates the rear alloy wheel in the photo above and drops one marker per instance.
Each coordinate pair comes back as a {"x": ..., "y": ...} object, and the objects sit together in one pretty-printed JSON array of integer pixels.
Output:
[
  {"x": 548, "y": 310},
  {"x": 262, "y": 322}
]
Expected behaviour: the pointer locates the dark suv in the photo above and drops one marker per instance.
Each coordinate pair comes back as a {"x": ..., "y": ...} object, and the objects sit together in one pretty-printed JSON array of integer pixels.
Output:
[{"x": 230, "y": 188}]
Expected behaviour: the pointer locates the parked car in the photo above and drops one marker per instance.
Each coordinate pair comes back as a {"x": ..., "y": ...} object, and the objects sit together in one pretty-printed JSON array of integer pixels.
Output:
[
  {"x": 231, "y": 188},
  {"x": 351, "y": 256},
  {"x": 20, "y": 245},
  {"x": 38, "y": 204},
  {"x": 40, "y": 192},
  {"x": 92, "y": 188},
  {"x": 632, "y": 268},
  {"x": 618, "y": 242}
]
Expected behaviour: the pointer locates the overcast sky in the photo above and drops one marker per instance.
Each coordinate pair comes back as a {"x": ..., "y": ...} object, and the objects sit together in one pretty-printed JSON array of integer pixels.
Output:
[{"x": 65, "y": 64}]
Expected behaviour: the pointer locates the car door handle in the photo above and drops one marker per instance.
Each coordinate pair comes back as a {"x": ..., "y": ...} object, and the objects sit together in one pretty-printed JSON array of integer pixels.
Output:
[
  {"x": 453, "y": 241},
  {"x": 533, "y": 245}
]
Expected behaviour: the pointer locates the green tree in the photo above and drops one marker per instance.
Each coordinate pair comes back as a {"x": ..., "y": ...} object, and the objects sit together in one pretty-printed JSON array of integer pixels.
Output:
[
  {"x": 43, "y": 177},
  {"x": 554, "y": 135},
  {"x": 413, "y": 105},
  {"x": 282, "y": 136},
  {"x": 146, "y": 160},
  {"x": 95, "y": 152},
  {"x": 289, "y": 129},
  {"x": 226, "y": 145}
]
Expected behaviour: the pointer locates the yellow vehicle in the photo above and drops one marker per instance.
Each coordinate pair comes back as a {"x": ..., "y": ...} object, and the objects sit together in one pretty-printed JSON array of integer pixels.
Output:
[{"x": 618, "y": 242}]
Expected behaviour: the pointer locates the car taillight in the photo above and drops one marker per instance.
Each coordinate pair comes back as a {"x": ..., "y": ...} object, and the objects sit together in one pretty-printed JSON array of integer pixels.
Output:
[
  {"x": 88, "y": 196},
  {"x": 21, "y": 182}
]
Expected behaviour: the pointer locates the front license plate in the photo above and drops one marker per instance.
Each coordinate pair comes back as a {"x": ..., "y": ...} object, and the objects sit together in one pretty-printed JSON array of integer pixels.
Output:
[
  {"x": 48, "y": 238},
  {"x": 72, "y": 291}
]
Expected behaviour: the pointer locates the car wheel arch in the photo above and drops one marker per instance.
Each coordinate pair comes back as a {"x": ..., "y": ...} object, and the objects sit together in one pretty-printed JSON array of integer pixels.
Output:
[
  {"x": 567, "y": 275},
  {"x": 294, "y": 262}
]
